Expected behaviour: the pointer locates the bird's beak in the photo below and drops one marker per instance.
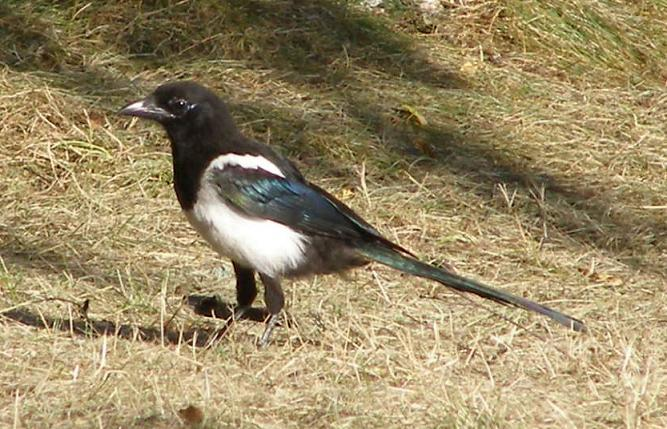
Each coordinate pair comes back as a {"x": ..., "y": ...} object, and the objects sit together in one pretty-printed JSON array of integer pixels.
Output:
[{"x": 146, "y": 108}]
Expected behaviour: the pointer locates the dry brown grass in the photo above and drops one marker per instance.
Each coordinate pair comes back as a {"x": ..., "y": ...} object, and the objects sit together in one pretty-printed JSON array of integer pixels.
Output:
[{"x": 542, "y": 169}]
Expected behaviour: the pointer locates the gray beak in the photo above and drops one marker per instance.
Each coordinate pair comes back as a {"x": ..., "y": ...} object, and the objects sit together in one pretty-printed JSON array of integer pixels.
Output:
[{"x": 147, "y": 109}]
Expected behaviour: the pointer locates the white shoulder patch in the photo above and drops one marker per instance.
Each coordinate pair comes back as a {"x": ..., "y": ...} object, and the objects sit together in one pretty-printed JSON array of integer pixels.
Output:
[{"x": 246, "y": 161}]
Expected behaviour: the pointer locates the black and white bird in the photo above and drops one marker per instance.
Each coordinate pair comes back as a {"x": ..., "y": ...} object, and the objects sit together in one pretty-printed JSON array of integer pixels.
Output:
[{"x": 254, "y": 207}]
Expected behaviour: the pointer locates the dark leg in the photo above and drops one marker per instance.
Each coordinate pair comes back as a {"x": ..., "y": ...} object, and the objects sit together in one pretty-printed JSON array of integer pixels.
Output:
[
  {"x": 246, "y": 292},
  {"x": 246, "y": 289},
  {"x": 275, "y": 301}
]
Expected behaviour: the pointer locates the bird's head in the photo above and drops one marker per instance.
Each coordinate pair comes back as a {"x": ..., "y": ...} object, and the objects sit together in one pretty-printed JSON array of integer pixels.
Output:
[{"x": 181, "y": 106}]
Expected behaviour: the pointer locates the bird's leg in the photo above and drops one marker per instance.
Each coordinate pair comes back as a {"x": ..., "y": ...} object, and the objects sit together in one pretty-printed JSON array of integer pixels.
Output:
[
  {"x": 246, "y": 289},
  {"x": 275, "y": 301}
]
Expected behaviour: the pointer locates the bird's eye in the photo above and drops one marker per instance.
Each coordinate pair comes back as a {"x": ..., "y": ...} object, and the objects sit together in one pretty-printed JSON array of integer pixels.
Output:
[{"x": 179, "y": 106}]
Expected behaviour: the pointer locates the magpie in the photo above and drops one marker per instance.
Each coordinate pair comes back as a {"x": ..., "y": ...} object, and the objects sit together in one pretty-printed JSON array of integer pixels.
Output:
[{"x": 253, "y": 206}]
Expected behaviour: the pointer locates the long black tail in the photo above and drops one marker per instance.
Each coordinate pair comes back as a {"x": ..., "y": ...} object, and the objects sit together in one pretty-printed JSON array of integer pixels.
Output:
[{"x": 379, "y": 253}]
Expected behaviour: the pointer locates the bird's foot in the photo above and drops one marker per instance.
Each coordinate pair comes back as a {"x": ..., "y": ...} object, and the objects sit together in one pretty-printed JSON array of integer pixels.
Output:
[
  {"x": 270, "y": 325},
  {"x": 240, "y": 312}
]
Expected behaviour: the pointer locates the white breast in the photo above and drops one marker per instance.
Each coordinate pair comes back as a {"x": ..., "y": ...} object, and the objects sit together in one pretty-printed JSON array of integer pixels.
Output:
[{"x": 263, "y": 245}]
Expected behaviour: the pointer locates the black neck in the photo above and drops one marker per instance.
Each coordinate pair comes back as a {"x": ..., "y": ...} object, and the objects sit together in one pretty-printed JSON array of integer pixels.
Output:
[{"x": 193, "y": 149}]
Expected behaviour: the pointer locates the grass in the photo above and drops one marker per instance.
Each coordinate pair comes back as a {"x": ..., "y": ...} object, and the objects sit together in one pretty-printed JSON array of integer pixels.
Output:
[{"x": 522, "y": 141}]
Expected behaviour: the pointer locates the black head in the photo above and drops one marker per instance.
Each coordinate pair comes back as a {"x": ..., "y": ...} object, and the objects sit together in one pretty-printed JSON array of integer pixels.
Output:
[
  {"x": 199, "y": 127},
  {"x": 182, "y": 104}
]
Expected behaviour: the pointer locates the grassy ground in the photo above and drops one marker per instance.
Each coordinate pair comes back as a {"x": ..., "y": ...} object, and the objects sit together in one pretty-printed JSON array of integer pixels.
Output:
[{"x": 522, "y": 141}]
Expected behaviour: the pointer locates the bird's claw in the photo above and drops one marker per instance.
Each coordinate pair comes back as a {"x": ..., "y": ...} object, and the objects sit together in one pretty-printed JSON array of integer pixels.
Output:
[{"x": 270, "y": 325}]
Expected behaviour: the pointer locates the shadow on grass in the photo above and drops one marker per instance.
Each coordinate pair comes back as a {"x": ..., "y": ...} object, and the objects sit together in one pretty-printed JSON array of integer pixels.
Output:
[
  {"x": 96, "y": 328},
  {"x": 86, "y": 327},
  {"x": 15, "y": 253},
  {"x": 212, "y": 306},
  {"x": 568, "y": 207},
  {"x": 309, "y": 43}
]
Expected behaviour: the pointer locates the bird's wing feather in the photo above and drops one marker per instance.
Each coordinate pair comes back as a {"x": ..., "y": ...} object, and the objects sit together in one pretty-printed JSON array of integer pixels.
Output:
[{"x": 295, "y": 203}]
